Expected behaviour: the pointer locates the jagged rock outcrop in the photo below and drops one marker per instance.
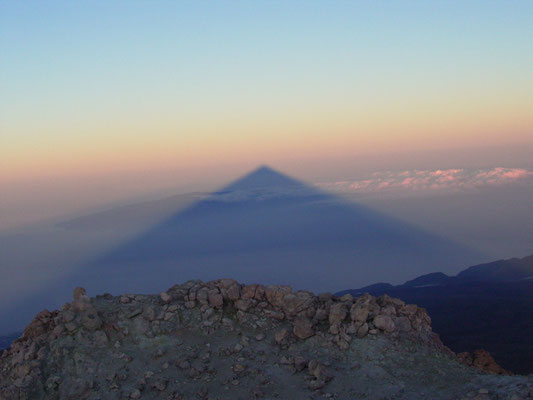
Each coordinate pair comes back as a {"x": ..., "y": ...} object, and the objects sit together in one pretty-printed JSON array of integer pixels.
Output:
[
  {"x": 225, "y": 340},
  {"x": 483, "y": 360}
]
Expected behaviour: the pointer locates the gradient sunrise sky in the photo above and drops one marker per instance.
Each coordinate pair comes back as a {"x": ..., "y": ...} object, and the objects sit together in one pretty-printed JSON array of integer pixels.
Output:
[{"x": 128, "y": 91}]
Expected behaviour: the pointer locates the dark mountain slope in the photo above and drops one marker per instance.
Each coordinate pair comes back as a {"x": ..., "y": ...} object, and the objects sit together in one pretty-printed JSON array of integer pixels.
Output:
[
  {"x": 500, "y": 271},
  {"x": 479, "y": 308}
]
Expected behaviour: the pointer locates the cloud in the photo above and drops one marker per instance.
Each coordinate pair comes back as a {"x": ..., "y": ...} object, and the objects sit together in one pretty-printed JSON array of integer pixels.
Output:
[
  {"x": 424, "y": 181},
  {"x": 259, "y": 194},
  {"x": 389, "y": 182}
]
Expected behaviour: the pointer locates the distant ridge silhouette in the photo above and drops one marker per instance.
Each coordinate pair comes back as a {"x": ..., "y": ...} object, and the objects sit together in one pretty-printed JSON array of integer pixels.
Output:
[{"x": 270, "y": 228}]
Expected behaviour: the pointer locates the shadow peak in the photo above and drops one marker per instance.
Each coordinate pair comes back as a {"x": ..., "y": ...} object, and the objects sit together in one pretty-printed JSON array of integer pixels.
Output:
[{"x": 263, "y": 177}]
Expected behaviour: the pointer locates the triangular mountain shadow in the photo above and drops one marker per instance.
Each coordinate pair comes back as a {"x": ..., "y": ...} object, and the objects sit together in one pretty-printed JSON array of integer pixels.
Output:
[{"x": 268, "y": 228}]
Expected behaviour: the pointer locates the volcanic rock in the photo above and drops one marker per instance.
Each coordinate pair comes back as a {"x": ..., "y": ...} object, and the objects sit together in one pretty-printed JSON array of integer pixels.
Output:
[{"x": 193, "y": 341}]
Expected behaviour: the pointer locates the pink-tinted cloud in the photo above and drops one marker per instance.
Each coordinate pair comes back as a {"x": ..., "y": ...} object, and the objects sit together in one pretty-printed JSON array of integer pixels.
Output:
[{"x": 431, "y": 180}]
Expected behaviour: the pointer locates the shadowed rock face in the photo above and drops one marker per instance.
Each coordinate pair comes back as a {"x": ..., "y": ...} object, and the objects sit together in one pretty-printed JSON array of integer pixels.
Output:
[{"x": 225, "y": 340}]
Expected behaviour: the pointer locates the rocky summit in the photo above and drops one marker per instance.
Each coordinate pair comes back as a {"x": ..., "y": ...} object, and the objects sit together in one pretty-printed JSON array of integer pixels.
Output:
[{"x": 225, "y": 340}]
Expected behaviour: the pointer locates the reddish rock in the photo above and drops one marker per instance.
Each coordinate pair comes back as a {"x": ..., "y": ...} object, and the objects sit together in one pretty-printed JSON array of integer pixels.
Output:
[
  {"x": 295, "y": 303},
  {"x": 234, "y": 292},
  {"x": 482, "y": 360},
  {"x": 215, "y": 299},
  {"x": 81, "y": 302},
  {"x": 403, "y": 324},
  {"x": 359, "y": 312},
  {"x": 248, "y": 291},
  {"x": 362, "y": 331},
  {"x": 385, "y": 323},
  {"x": 337, "y": 313},
  {"x": 303, "y": 328},
  {"x": 275, "y": 294},
  {"x": 243, "y": 304},
  {"x": 165, "y": 297}
]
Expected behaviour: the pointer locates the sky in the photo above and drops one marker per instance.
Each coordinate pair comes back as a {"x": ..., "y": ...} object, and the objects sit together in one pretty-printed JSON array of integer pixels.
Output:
[{"x": 102, "y": 101}]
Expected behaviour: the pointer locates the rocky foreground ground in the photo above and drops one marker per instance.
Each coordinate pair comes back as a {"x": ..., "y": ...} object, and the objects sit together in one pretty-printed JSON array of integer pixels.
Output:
[{"x": 224, "y": 340}]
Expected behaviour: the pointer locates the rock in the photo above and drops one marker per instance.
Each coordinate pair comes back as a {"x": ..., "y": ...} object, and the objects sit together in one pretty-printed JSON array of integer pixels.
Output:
[
  {"x": 100, "y": 338},
  {"x": 384, "y": 322},
  {"x": 149, "y": 313},
  {"x": 39, "y": 325},
  {"x": 79, "y": 294},
  {"x": 403, "y": 324},
  {"x": 99, "y": 348},
  {"x": 337, "y": 313},
  {"x": 389, "y": 309},
  {"x": 300, "y": 363},
  {"x": 281, "y": 335},
  {"x": 248, "y": 291},
  {"x": 229, "y": 288},
  {"x": 202, "y": 296},
  {"x": 165, "y": 297},
  {"x": 352, "y": 328},
  {"x": 81, "y": 300},
  {"x": 295, "y": 303},
  {"x": 160, "y": 384},
  {"x": 275, "y": 294},
  {"x": 321, "y": 314},
  {"x": 410, "y": 310},
  {"x": 319, "y": 371},
  {"x": 482, "y": 360},
  {"x": 68, "y": 316},
  {"x": 359, "y": 312},
  {"x": 303, "y": 328},
  {"x": 335, "y": 328},
  {"x": 71, "y": 326},
  {"x": 58, "y": 330},
  {"x": 22, "y": 370},
  {"x": 259, "y": 293},
  {"x": 275, "y": 314},
  {"x": 234, "y": 292},
  {"x": 347, "y": 298},
  {"x": 325, "y": 297},
  {"x": 90, "y": 320},
  {"x": 238, "y": 368},
  {"x": 284, "y": 360},
  {"x": 53, "y": 382},
  {"x": 227, "y": 283},
  {"x": 362, "y": 331},
  {"x": 215, "y": 299},
  {"x": 134, "y": 313},
  {"x": 243, "y": 304},
  {"x": 316, "y": 384}
]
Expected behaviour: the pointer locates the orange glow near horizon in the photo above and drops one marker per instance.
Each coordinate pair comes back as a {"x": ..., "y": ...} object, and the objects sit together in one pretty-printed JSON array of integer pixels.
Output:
[{"x": 197, "y": 92}]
